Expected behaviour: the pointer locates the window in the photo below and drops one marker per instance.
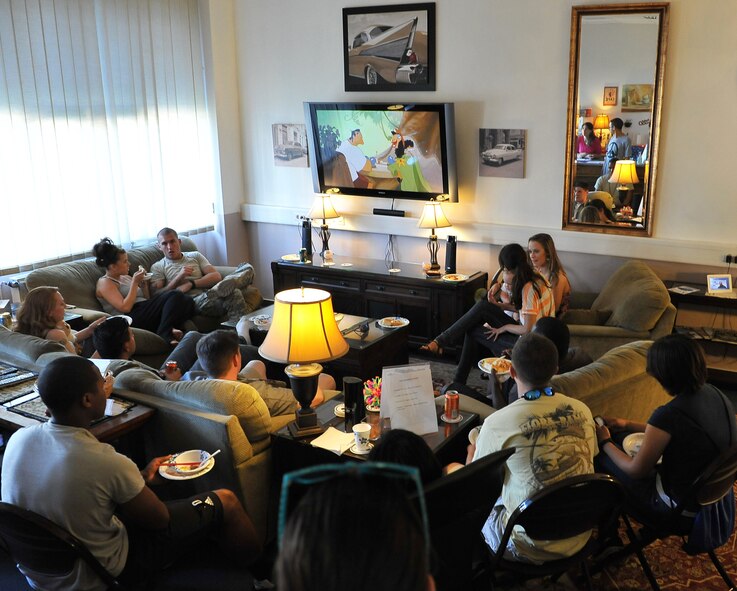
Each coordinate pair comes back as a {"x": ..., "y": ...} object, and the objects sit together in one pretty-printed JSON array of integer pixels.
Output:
[{"x": 104, "y": 125}]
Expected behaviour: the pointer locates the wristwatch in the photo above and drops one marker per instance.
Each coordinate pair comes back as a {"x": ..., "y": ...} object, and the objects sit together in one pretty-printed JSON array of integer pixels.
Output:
[{"x": 194, "y": 285}]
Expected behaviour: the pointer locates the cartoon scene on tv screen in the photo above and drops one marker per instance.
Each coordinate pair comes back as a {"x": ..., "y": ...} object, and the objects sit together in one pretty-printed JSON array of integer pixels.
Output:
[{"x": 383, "y": 150}]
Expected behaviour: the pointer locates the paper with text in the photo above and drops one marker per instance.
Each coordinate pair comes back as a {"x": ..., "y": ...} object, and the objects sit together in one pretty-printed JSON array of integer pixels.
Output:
[{"x": 407, "y": 398}]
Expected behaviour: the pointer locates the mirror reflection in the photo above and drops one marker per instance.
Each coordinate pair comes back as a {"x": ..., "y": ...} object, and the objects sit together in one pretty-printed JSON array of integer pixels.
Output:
[{"x": 615, "y": 85}]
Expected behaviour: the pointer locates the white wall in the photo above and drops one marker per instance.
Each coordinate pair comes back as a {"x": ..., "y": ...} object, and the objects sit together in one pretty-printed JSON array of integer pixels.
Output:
[{"x": 504, "y": 63}]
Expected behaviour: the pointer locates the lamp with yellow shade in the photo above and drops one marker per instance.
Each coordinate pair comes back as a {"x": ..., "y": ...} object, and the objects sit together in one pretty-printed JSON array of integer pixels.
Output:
[
  {"x": 624, "y": 172},
  {"x": 601, "y": 124},
  {"x": 323, "y": 209},
  {"x": 303, "y": 333},
  {"x": 433, "y": 217}
]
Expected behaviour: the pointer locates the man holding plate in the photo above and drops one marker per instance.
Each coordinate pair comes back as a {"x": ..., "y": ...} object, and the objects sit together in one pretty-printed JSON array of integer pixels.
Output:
[{"x": 59, "y": 470}]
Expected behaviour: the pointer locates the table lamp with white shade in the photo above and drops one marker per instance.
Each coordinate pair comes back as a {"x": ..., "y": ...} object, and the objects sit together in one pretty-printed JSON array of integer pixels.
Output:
[
  {"x": 323, "y": 209},
  {"x": 303, "y": 333},
  {"x": 624, "y": 172},
  {"x": 433, "y": 217}
]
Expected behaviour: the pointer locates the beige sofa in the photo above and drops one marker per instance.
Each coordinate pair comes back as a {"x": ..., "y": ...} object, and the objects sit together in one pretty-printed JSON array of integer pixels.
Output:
[
  {"x": 616, "y": 384},
  {"x": 77, "y": 280},
  {"x": 633, "y": 305}
]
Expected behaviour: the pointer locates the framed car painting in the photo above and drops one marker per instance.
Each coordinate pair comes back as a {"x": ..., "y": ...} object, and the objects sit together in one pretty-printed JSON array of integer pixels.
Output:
[{"x": 389, "y": 47}]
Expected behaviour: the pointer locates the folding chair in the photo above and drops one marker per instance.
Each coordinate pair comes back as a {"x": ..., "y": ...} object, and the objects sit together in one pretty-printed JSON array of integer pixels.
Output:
[
  {"x": 562, "y": 510},
  {"x": 42, "y": 546},
  {"x": 714, "y": 483}
]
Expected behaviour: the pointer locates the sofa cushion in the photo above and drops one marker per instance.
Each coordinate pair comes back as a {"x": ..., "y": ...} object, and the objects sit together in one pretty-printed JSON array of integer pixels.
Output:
[
  {"x": 635, "y": 295},
  {"x": 587, "y": 317},
  {"x": 24, "y": 350},
  {"x": 223, "y": 397},
  {"x": 76, "y": 282}
]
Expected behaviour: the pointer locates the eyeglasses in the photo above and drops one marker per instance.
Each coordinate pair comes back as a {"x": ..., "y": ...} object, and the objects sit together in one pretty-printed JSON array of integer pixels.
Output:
[{"x": 406, "y": 476}]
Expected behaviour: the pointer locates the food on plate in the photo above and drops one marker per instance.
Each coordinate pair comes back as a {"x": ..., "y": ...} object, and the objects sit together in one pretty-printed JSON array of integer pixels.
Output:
[
  {"x": 453, "y": 277},
  {"x": 393, "y": 321},
  {"x": 501, "y": 365}
]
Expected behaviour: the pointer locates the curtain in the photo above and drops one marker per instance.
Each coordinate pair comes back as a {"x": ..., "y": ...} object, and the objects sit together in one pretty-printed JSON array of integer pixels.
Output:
[{"x": 104, "y": 125}]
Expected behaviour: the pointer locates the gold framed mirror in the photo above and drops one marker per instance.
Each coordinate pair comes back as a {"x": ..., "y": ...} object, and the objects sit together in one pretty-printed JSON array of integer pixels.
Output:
[{"x": 615, "y": 92}]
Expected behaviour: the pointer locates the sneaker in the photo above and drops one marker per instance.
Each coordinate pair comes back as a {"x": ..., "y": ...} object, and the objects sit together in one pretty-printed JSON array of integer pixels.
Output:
[{"x": 263, "y": 584}]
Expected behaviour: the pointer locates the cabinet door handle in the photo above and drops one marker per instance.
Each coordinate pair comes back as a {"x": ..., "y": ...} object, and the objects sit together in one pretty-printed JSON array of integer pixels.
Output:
[
  {"x": 380, "y": 288},
  {"x": 344, "y": 283},
  {"x": 412, "y": 292},
  {"x": 313, "y": 279}
]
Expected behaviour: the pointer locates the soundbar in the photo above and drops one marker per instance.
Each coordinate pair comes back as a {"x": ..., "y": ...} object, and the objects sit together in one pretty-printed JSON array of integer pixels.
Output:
[{"x": 399, "y": 213}]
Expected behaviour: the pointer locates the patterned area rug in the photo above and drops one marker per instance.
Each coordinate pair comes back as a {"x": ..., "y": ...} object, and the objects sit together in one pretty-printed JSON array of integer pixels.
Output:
[{"x": 673, "y": 568}]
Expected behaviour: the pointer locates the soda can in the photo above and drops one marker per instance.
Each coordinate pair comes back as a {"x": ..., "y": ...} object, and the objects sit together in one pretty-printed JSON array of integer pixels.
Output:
[
  {"x": 171, "y": 365},
  {"x": 451, "y": 405}
]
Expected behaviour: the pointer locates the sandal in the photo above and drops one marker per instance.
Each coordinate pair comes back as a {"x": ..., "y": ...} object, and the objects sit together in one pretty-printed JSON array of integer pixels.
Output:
[{"x": 433, "y": 347}]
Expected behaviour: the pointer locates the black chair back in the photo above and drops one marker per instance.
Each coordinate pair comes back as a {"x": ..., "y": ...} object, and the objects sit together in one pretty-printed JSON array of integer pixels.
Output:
[
  {"x": 39, "y": 544},
  {"x": 567, "y": 508},
  {"x": 718, "y": 479},
  {"x": 457, "y": 507}
]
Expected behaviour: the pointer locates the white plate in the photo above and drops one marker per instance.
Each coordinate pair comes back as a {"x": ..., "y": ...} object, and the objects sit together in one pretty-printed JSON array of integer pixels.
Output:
[
  {"x": 485, "y": 366},
  {"x": 291, "y": 258},
  {"x": 261, "y": 319},
  {"x": 373, "y": 408},
  {"x": 338, "y": 316},
  {"x": 339, "y": 410},
  {"x": 169, "y": 473},
  {"x": 447, "y": 420},
  {"x": 454, "y": 277},
  {"x": 393, "y": 322},
  {"x": 631, "y": 444},
  {"x": 354, "y": 450}
]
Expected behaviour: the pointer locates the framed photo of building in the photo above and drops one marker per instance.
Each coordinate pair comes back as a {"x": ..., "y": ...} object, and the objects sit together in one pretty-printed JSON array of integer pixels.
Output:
[
  {"x": 389, "y": 48},
  {"x": 610, "y": 96}
]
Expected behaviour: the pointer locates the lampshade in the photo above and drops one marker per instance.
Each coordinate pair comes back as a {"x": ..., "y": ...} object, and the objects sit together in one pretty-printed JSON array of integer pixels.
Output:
[
  {"x": 624, "y": 172},
  {"x": 303, "y": 328},
  {"x": 433, "y": 216},
  {"x": 601, "y": 122},
  {"x": 322, "y": 209}
]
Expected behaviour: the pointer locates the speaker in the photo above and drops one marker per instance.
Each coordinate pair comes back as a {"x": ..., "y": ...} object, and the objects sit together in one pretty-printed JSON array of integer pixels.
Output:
[
  {"x": 450, "y": 255},
  {"x": 355, "y": 409},
  {"x": 307, "y": 237}
]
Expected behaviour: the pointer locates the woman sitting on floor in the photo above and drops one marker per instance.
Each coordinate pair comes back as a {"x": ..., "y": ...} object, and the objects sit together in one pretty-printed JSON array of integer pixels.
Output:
[
  {"x": 42, "y": 315},
  {"x": 119, "y": 293},
  {"x": 509, "y": 310},
  {"x": 688, "y": 432},
  {"x": 544, "y": 259}
]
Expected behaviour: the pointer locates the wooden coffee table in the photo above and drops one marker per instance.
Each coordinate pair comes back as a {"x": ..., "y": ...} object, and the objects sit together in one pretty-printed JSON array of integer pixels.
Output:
[
  {"x": 368, "y": 353},
  {"x": 448, "y": 443}
]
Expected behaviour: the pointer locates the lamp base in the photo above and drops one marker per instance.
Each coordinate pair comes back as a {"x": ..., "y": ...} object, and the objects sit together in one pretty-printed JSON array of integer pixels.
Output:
[
  {"x": 433, "y": 270},
  {"x": 305, "y": 425},
  {"x": 303, "y": 379}
]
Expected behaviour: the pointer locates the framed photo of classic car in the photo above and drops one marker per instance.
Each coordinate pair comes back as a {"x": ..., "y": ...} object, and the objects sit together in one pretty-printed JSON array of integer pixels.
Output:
[{"x": 389, "y": 48}]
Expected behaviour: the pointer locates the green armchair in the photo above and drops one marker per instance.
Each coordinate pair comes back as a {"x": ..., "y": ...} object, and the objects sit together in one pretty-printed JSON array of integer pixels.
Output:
[{"x": 633, "y": 305}]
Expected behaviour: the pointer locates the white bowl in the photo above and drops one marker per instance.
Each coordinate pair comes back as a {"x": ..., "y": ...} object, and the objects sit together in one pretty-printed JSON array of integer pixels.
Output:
[{"x": 193, "y": 455}]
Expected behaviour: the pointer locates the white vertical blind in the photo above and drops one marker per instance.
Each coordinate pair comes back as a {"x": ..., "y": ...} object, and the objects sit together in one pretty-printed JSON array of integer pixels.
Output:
[{"x": 104, "y": 125}]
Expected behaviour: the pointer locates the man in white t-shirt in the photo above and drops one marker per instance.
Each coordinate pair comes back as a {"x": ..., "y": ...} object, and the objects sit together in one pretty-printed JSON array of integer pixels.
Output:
[
  {"x": 355, "y": 158},
  {"x": 554, "y": 437},
  {"x": 61, "y": 471},
  {"x": 192, "y": 273}
]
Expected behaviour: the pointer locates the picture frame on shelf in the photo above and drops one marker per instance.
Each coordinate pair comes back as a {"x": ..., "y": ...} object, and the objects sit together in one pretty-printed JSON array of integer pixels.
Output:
[
  {"x": 610, "y": 96},
  {"x": 389, "y": 48}
]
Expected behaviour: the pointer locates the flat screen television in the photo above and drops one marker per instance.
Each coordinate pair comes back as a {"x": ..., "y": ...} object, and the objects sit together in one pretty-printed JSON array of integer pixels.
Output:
[{"x": 402, "y": 151}]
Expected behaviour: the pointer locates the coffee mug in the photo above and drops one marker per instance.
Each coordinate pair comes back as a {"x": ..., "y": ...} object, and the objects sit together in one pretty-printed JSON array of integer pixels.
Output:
[{"x": 362, "y": 432}]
